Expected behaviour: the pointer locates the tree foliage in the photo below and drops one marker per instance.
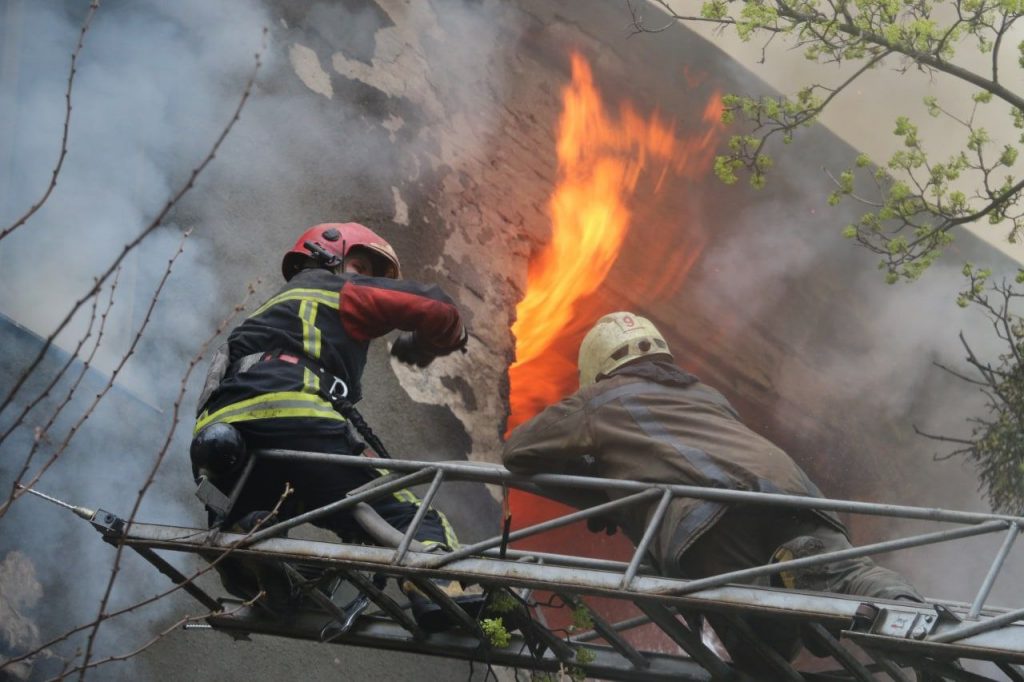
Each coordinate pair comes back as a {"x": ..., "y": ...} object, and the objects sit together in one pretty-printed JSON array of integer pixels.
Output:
[
  {"x": 997, "y": 439},
  {"x": 913, "y": 200}
]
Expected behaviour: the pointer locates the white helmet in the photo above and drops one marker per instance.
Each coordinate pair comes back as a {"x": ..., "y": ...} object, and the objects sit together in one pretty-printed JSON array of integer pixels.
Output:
[{"x": 615, "y": 340}]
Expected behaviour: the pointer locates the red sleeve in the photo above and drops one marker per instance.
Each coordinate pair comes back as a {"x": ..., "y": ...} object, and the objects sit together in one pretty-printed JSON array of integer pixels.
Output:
[{"x": 373, "y": 306}]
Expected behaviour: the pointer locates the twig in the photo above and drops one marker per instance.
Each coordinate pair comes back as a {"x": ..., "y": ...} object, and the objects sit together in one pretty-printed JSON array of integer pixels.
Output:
[
  {"x": 958, "y": 375},
  {"x": 18, "y": 492},
  {"x": 93, "y": 6},
  {"x": 156, "y": 638},
  {"x": 157, "y": 597},
  {"x": 60, "y": 374},
  {"x": 42, "y": 431},
  {"x": 130, "y": 246},
  {"x": 853, "y": 196},
  {"x": 946, "y": 439},
  {"x": 175, "y": 418}
]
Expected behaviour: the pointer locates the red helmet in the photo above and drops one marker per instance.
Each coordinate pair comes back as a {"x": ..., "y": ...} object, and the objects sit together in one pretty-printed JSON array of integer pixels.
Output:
[{"x": 338, "y": 239}]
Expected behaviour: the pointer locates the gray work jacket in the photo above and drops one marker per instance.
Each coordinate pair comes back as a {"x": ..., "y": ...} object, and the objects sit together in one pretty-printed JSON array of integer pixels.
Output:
[{"x": 652, "y": 422}]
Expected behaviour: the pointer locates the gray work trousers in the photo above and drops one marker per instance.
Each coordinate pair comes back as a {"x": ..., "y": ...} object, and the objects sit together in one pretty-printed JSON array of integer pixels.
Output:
[{"x": 749, "y": 536}]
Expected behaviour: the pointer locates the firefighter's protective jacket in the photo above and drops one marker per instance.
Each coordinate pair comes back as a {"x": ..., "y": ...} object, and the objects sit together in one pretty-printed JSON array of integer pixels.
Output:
[
  {"x": 318, "y": 327},
  {"x": 652, "y": 422}
]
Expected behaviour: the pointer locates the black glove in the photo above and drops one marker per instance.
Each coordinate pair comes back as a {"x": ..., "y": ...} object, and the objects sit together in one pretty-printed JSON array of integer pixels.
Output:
[
  {"x": 597, "y": 524},
  {"x": 406, "y": 349}
]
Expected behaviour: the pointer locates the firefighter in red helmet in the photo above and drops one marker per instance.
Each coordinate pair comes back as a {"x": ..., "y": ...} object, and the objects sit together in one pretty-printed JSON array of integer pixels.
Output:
[{"x": 291, "y": 372}]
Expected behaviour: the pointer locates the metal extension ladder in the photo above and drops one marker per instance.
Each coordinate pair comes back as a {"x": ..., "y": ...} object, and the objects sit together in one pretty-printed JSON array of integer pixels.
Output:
[{"x": 855, "y": 638}]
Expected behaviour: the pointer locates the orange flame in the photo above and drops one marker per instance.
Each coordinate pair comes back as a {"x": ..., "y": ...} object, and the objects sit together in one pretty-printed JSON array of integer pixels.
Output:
[{"x": 600, "y": 161}]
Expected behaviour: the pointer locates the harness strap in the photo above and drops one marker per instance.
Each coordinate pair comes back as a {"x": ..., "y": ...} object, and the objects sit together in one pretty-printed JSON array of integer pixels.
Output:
[
  {"x": 336, "y": 387},
  {"x": 331, "y": 388}
]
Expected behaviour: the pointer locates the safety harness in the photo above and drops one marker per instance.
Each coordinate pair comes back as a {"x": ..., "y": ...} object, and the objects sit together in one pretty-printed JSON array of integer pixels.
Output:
[{"x": 330, "y": 388}]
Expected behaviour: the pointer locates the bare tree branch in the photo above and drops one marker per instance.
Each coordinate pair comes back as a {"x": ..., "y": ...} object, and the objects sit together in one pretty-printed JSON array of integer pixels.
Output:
[
  {"x": 43, "y": 430},
  {"x": 156, "y": 638},
  {"x": 131, "y": 245},
  {"x": 175, "y": 417},
  {"x": 93, "y": 6},
  {"x": 19, "y": 491},
  {"x": 157, "y": 597}
]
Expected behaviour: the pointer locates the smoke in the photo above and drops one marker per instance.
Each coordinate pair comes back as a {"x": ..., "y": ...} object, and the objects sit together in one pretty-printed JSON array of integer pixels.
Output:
[
  {"x": 847, "y": 354},
  {"x": 354, "y": 109},
  {"x": 155, "y": 84}
]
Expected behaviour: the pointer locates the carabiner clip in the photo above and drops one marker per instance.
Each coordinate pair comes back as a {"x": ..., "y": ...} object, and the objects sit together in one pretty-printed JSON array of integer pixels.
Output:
[{"x": 333, "y": 391}]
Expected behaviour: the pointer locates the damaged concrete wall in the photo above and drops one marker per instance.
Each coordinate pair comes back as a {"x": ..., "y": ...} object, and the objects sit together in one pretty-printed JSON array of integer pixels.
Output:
[{"x": 435, "y": 124}]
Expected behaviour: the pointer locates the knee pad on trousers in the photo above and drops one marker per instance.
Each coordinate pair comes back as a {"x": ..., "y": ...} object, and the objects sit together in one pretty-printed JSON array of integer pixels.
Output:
[{"x": 218, "y": 451}]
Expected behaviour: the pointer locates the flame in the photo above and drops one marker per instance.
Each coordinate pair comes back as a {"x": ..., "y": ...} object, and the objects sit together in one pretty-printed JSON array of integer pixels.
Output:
[{"x": 601, "y": 158}]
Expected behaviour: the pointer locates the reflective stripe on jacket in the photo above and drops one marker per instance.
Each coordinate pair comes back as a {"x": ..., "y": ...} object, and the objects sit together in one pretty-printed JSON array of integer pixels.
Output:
[{"x": 330, "y": 320}]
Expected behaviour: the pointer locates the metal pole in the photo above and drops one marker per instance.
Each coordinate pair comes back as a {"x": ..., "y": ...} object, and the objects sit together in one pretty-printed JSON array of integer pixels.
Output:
[
  {"x": 497, "y": 474},
  {"x": 620, "y": 626},
  {"x": 236, "y": 492},
  {"x": 607, "y": 631},
  {"x": 560, "y": 559},
  {"x": 852, "y": 553},
  {"x": 965, "y": 631},
  {"x": 334, "y": 507},
  {"x": 652, "y": 529},
  {"x": 443, "y": 559},
  {"x": 993, "y": 571},
  {"x": 840, "y": 654},
  {"x": 403, "y": 547}
]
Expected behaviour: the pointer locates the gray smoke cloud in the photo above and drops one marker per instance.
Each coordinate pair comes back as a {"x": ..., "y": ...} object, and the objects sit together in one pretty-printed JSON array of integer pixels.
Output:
[{"x": 156, "y": 83}]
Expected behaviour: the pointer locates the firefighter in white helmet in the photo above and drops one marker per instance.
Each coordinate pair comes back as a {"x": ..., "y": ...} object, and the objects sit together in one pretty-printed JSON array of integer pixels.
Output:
[{"x": 637, "y": 416}]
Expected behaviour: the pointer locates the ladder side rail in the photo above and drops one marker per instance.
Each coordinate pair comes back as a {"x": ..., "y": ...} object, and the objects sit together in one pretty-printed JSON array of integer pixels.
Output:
[
  {"x": 468, "y": 550},
  {"x": 977, "y": 628},
  {"x": 378, "y": 634},
  {"x": 852, "y": 553},
  {"x": 559, "y": 559},
  {"x": 618, "y": 626},
  {"x": 831, "y": 609},
  {"x": 497, "y": 474},
  {"x": 1005, "y": 644}
]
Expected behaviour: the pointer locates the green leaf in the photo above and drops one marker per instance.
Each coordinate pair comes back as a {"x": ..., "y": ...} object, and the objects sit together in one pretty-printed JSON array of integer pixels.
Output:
[
  {"x": 725, "y": 169},
  {"x": 1009, "y": 156},
  {"x": 495, "y": 631},
  {"x": 714, "y": 10}
]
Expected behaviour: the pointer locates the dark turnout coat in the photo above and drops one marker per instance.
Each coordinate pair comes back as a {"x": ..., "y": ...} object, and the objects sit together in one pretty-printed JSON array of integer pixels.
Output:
[{"x": 652, "y": 422}]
